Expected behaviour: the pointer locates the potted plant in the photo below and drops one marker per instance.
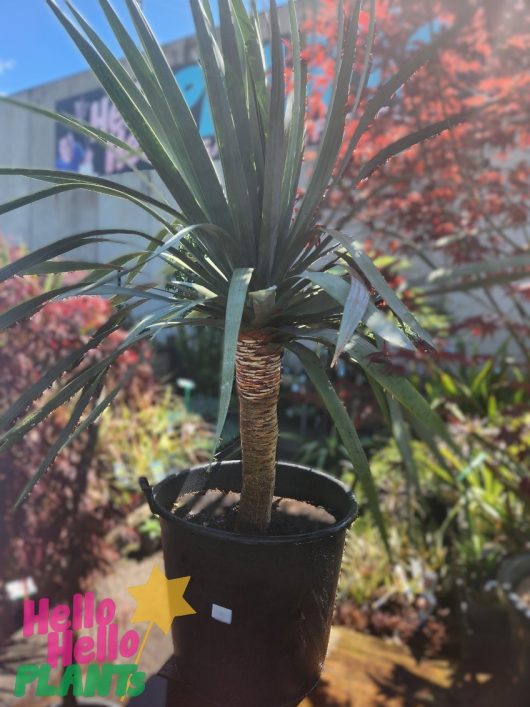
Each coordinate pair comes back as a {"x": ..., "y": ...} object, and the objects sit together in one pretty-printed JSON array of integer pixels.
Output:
[{"x": 263, "y": 271}]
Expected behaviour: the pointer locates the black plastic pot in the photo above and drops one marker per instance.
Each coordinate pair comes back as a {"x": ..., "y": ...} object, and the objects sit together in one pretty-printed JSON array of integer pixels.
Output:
[
  {"x": 264, "y": 604},
  {"x": 512, "y": 571}
]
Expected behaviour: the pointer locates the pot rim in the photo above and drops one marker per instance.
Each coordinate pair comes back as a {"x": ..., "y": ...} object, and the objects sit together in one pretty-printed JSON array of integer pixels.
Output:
[{"x": 315, "y": 535}]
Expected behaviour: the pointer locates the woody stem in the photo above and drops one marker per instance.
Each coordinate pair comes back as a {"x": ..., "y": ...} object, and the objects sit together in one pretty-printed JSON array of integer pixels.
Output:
[{"x": 258, "y": 373}]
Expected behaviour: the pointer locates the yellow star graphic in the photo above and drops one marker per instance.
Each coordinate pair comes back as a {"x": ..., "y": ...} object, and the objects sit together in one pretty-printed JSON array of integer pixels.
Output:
[{"x": 160, "y": 600}]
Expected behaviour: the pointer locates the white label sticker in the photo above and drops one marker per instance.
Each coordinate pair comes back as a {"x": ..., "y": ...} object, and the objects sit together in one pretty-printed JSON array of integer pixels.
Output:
[{"x": 220, "y": 613}]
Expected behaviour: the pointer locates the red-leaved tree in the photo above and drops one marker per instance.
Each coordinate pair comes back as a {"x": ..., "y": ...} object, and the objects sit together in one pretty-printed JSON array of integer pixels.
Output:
[
  {"x": 57, "y": 535},
  {"x": 461, "y": 197}
]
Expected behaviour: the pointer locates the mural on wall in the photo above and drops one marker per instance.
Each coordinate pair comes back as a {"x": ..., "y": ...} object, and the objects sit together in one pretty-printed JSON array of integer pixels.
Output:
[{"x": 78, "y": 153}]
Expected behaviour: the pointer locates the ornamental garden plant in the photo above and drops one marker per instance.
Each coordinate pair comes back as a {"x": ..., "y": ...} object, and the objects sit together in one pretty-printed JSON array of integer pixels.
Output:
[
  {"x": 456, "y": 207},
  {"x": 58, "y": 537},
  {"x": 261, "y": 267}
]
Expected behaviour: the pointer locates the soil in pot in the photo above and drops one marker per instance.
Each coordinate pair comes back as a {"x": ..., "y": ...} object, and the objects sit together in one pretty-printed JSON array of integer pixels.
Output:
[{"x": 218, "y": 509}]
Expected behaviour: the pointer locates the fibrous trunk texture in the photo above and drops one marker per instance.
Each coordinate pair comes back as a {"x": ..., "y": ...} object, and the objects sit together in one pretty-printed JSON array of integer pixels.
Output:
[{"x": 258, "y": 373}]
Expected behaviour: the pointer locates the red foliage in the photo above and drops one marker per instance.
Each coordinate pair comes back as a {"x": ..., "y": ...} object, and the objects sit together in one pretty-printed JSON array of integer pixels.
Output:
[
  {"x": 462, "y": 196},
  {"x": 57, "y": 535}
]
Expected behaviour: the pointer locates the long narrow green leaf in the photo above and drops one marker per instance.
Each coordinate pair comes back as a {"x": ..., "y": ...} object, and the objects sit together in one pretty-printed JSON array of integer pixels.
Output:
[
  {"x": 237, "y": 188},
  {"x": 332, "y": 139},
  {"x": 21, "y": 201},
  {"x": 64, "y": 364},
  {"x": 56, "y": 176},
  {"x": 295, "y": 140},
  {"x": 372, "y": 274},
  {"x": 26, "y": 309},
  {"x": 236, "y": 88},
  {"x": 78, "y": 125},
  {"x": 404, "y": 143},
  {"x": 257, "y": 131},
  {"x": 255, "y": 57},
  {"x": 254, "y": 83},
  {"x": 195, "y": 271},
  {"x": 157, "y": 320},
  {"x": 100, "y": 408},
  {"x": 218, "y": 270},
  {"x": 192, "y": 290},
  {"x": 316, "y": 372},
  {"x": 63, "y": 245},
  {"x": 361, "y": 352},
  {"x": 191, "y": 144},
  {"x": 94, "y": 134},
  {"x": 131, "y": 103},
  {"x": 274, "y": 158},
  {"x": 64, "y": 437},
  {"x": 401, "y": 434},
  {"x": 380, "y": 396},
  {"x": 334, "y": 285},
  {"x": 138, "y": 332},
  {"x": 314, "y": 256},
  {"x": 123, "y": 293},
  {"x": 451, "y": 274},
  {"x": 154, "y": 253},
  {"x": 337, "y": 288},
  {"x": 481, "y": 376},
  {"x": 245, "y": 39},
  {"x": 365, "y": 73},
  {"x": 67, "y": 392},
  {"x": 314, "y": 303},
  {"x": 68, "y": 266},
  {"x": 381, "y": 325},
  {"x": 235, "y": 305},
  {"x": 424, "y": 433},
  {"x": 384, "y": 93},
  {"x": 477, "y": 283},
  {"x": 354, "y": 311},
  {"x": 221, "y": 277},
  {"x": 206, "y": 187},
  {"x": 363, "y": 82},
  {"x": 66, "y": 181}
]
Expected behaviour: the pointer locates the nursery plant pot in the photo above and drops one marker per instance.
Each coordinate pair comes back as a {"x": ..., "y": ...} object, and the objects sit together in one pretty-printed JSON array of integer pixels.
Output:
[
  {"x": 264, "y": 604},
  {"x": 511, "y": 573}
]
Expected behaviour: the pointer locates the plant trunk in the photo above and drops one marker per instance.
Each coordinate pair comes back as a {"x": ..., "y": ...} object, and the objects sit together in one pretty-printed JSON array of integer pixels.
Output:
[{"x": 258, "y": 373}]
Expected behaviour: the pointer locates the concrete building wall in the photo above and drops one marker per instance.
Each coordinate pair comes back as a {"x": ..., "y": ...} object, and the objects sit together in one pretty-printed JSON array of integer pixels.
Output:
[{"x": 29, "y": 140}]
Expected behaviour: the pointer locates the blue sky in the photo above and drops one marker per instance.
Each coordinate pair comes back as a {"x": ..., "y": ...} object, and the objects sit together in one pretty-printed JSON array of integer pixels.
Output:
[{"x": 34, "y": 48}]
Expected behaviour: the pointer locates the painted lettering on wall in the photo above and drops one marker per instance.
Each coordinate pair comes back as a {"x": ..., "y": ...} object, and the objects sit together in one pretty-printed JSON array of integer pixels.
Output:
[{"x": 78, "y": 153}]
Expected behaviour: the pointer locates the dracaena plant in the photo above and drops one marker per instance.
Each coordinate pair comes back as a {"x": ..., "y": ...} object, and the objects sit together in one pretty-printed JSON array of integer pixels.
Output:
[{"x": 259, "y": 266}]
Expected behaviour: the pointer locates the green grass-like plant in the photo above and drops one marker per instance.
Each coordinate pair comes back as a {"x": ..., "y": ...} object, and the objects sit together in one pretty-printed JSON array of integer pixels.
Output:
[{"x": 261, "y": 269}]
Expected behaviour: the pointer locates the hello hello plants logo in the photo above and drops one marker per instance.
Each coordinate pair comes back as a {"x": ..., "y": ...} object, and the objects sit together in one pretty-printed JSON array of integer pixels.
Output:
[{"x": 87, "y": 662}]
